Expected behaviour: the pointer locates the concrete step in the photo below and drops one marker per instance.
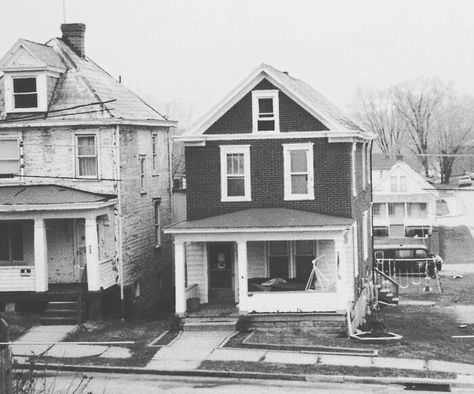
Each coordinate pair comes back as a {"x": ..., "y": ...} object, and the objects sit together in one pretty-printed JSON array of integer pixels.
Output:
[
  {"x": 52, "y": 305},
  {"x": 55, "y": 321},
  {"x": 72, "y": 313},
  {"x": 209, "y": 324}
]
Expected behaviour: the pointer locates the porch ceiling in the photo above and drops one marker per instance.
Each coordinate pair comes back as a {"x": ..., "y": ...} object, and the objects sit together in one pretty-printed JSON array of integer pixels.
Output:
[{"x": 262, "y": 218}]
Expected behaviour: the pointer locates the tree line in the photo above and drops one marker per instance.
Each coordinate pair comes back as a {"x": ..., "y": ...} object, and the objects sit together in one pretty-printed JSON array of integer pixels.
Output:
[{"x": 425, "y": 117}]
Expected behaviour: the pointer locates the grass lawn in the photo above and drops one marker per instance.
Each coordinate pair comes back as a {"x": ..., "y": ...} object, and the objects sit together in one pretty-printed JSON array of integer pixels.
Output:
[
  {"x": 319, "y": 369},
  {"x": 142, "y": 332},
  {"x": 19, "y": 322}
]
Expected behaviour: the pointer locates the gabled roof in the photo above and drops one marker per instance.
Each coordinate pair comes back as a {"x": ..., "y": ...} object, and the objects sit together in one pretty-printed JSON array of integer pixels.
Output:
[
  {"x": 383, "y": 162},
  {"x": 257, "y": 218},
  {"x": 425, "y": 186},
  {"x": 85, "y": 85},
  {"x": 301, "y": 92}
]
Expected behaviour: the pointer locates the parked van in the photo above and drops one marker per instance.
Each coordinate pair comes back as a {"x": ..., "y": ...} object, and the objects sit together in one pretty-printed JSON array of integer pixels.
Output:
[{"x": 406, "y": 259}]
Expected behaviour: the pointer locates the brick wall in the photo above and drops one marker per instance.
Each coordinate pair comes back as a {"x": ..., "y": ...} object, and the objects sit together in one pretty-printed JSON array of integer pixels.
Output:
[
  {"x": 238, "y": 119},
  {"x": 150, "y": 266},
  {"x": 332, "y": 179}
]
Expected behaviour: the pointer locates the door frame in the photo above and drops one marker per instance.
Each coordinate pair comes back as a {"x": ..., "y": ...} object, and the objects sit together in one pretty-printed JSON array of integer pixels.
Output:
[{"x": 233, "y": 257}]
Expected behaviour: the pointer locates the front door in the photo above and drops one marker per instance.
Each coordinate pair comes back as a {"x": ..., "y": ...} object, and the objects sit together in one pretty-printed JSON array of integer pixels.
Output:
[
  {"x": 79, "y": 249},
  {"x": 221, "y": 264}
]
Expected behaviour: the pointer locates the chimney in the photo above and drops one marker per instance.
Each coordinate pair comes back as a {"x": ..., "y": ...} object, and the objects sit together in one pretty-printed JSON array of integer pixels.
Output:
[
  {"x": 399, "y": 157},
  {"x": 73, "y": 36}
]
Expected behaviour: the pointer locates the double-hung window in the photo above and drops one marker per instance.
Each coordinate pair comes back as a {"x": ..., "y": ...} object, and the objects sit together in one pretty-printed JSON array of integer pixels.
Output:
[
  {"x": 298, "y": 171},
  {"x": 9, "y": 157},
  {"x": 142, "y": 167},
  {"x": 265, "y": 109},
  {"x": 86, "y": 156},
  {"x": 25, "y": 93},
  {"x": 154, "y": 154},
  {"x": 157, "y": 222},
  {"x": 235, "y": 173}
]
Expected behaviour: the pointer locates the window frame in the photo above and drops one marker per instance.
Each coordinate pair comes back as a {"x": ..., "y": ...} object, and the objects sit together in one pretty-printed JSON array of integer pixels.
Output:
[
  {"x": 41, "y": 91},
  {"x": 10, "y": 159},
  {"x": 287, "y": 174},
  {"x": 154, "y": 153},
  {"x": 142, "y": 173},
  {"x": 77, "y": 157},
  {"x": 157, "y": 222},
  {"x": 262, "y": 94},
  {"x": 235, "y": 149}
]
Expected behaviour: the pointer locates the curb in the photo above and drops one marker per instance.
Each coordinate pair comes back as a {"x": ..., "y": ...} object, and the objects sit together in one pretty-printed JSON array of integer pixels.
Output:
[{"x": 243, "y": 375}]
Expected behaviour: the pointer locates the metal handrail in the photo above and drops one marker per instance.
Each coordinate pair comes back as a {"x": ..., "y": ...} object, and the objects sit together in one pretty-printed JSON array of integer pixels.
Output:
[{"x": 387, "y": 277}]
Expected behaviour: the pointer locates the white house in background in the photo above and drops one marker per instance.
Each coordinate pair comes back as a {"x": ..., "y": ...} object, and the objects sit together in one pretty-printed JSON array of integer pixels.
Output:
[{"x": 404, "y": 203}]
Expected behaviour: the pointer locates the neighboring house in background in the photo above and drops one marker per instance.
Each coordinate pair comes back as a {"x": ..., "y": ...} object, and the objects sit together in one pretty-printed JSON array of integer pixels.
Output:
[
  {"x": 85, "y": 184},
  {"x": 404, "y": 203},
  {"x": 276, "y": 177}
]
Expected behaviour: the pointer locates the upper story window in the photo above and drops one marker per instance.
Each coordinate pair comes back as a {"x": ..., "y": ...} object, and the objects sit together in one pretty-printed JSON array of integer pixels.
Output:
[
  {"x": 157, "y": 222},
  {"x": 298, "y": 171},
  {"x": 25, "y": 93},
  {"x": 9, "y": 157},
  {"x": 265, "y": 110},
  {"x": 86, "y": 156},
  {"x": 154, "y": 153},
  {"x": 141, "y": 161},
  {"x": 235, "y": 173},
  {"x": 398, "y": 183},
  {"x": 365, "y": 165}
]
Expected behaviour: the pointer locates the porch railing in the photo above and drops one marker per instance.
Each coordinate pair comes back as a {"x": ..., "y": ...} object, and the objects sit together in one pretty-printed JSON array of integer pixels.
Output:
[
  {"x": 192, "y": 291},
  {"x": 385, "y": 281},
  {"x": 107, "y": 273},
  {"x": 17, "y": 278}
]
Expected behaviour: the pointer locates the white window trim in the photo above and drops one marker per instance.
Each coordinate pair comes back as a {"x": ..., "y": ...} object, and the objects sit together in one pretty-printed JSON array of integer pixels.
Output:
[
  {"x": 224, "y": 151},
  {"x": 287, "y": 148},
  {"x": 76, "y": 158},
  {"x": 41, "y": 90},
  {"x": 142, "y": 176},
  {"x": 157, "y": 222},
  {"x": 365, "y": 235},
  {"x": 16, "y": 138},
  {"x": 154, "y": 154},
  {"x": 258, "y": 94}
]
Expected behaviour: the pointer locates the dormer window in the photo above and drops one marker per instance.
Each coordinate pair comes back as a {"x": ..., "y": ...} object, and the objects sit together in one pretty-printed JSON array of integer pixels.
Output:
[
  {"x": 265, "y": 111},
  {"x": 25, "y": 92}
]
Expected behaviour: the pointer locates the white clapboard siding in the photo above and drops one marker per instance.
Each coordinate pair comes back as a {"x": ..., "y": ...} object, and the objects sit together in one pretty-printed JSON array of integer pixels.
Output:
[
  {"x": 196, "y": 265},
  {"x": 107, "y": 273},
  {"x": 292, "y": 301},
  {"x": 11, "y": 278}
]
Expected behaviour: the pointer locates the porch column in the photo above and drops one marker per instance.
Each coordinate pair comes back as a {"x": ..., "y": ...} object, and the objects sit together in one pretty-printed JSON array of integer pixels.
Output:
[
  {"x": 41, "y": 256},
  {"x": 242, "y": 269},
  {"x": 341, "y": 274},
  {"x": 179, "y": 277},
  {"x": 92, "y": 254}
]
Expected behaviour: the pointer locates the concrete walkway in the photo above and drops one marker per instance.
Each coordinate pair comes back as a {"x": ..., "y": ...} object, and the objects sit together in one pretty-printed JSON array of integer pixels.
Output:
[
  {"x": 188, "y": 351},
  {"x": 40, "y": 334}
]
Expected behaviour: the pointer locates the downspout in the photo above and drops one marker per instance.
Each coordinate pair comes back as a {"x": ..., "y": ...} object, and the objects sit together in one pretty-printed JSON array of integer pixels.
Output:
[
  {"x": 170, "y": 173},
  {"x": 119, "y": 218}
]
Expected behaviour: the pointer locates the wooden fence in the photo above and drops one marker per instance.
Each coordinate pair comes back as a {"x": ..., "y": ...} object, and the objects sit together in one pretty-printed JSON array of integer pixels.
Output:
[{"x": 5, "y": 360}]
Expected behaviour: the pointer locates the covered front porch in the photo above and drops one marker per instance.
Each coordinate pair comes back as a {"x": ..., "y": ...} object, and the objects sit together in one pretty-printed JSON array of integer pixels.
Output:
[
  {"x": 265, "y": 261},
  {"x": 54, "y": 236}
]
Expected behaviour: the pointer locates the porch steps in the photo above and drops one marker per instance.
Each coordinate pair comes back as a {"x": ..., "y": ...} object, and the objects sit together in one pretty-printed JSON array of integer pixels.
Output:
[
  {"x": 386, "y": 296},
  {"x": 209, "y": 324},
  {"x": 326, "y": 324},
  {"x": 62, "y": 312}
]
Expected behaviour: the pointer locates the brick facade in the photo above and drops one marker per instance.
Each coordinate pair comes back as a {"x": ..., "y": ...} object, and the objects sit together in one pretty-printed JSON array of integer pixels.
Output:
[{"x": 239, "y": 118}]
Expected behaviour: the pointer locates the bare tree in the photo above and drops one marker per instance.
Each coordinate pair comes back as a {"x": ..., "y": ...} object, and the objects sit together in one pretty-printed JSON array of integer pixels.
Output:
[
  {"x": 453, "y": 127},
  {"x": 376, "y": 113},
  {"x": 417, "y": 103}
]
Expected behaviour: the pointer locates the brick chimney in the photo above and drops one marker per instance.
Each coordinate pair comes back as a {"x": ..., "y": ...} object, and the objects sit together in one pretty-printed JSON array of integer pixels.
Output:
[{"x": 73, "y": 36}]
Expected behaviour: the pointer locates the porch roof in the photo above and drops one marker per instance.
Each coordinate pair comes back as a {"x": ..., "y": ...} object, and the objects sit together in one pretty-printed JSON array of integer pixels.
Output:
[
  {"x": 261, "y": 218},
  {"x": 25, "y": 198}
]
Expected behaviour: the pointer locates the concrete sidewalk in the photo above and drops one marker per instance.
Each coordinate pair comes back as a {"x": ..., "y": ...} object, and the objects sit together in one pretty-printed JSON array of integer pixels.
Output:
[{"x": 40, "y": 334}]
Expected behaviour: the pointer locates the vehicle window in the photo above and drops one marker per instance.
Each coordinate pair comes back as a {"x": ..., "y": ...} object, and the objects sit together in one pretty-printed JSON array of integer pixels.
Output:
[
  {"x": 421, "y": 253},
  {"x": 404, "y": 254}
]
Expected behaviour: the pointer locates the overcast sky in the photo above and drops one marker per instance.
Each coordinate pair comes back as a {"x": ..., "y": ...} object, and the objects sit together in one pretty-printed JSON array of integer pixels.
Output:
[{"x": 194, "y": 51}]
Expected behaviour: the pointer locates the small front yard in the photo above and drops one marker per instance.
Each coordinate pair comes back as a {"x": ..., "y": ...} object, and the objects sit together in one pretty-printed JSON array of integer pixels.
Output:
[
  {"x": 142, "y": 332},
  {"x": 19, "y": 322}
]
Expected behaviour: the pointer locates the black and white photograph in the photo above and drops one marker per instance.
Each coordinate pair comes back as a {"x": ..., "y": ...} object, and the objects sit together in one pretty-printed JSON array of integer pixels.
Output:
[{"x": 225, "y": 196}]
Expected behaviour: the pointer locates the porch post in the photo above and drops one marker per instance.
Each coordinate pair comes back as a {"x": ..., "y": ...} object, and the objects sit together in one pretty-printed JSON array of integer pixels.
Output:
[
  {"x": 92, "y": 254},
  {"x": 41, "y": 256},
  {"x": 242, "y": 269},
  {"x": 341, "y": 282},
  {"x": 179, "y": 277}
]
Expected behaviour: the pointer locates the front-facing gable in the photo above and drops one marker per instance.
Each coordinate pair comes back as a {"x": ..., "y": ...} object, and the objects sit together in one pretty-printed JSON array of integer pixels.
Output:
[
  {"x": 407, "y": 181},
  {"x": 302, "y": 109},
  {"x": 292, "y": 117}
]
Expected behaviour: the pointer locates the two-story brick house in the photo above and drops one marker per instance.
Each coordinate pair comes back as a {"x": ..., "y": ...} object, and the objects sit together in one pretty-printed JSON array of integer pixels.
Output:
[
  {"x": 84, "y": 180},
  {"x": 277, "y": 178}
]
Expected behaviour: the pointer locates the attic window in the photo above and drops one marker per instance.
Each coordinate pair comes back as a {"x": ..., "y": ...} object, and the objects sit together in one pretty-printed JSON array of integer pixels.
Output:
[
  {"x": 265, "y": 110},
  {"x": 25, "y": 93}
]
